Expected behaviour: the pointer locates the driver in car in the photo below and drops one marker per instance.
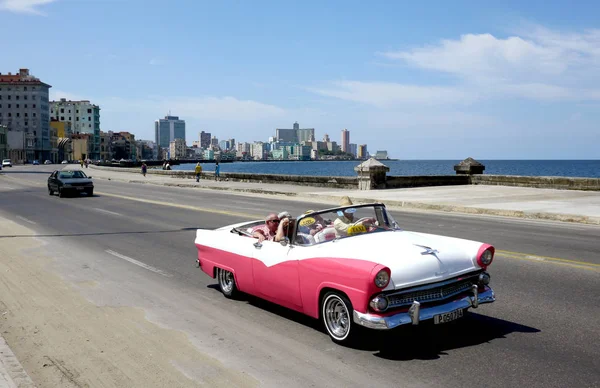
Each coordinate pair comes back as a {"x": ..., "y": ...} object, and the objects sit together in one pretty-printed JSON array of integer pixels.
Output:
[{"x": 346, "y": 219}]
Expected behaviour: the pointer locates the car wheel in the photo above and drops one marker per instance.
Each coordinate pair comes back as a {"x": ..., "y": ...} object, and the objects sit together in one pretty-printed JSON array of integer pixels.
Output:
[
  {"x": 61, "y": 193},
  {"x": 90, "y": 192},
  {"x": 337, "y": 316},
  {"x": 227, "y": 283},
  {"x": 50, "y": 192}
]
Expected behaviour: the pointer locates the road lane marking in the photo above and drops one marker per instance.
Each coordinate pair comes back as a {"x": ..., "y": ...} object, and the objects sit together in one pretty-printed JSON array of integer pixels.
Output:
[
  {"x": 508, "y": 254},
  {"x": 27, "y": 220},
  {"x": 138, "y": 263},
  {"x": 107, "y": 211},
  {"x": 188, "y": 207},
  {"x": 550, "y": 260}
]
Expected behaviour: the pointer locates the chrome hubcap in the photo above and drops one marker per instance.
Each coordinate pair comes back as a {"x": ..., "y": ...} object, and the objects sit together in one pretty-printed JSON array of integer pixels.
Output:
[
  {"x": 336, "y": 317},
  {"x": 226, "y": 280}
]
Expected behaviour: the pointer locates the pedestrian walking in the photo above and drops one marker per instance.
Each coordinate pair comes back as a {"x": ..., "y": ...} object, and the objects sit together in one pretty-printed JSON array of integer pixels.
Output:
[
  {"x": 198, "y": 171},
  {"x": 144, "y": 169}
]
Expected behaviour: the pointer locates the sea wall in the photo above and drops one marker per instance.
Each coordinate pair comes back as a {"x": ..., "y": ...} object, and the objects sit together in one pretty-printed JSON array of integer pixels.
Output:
[
  {"x": 398, "y": 182},
  {"x": 391, "y": 182},
  {"x": 541, "y": 182},
  {"x": 339, "y": 182}
]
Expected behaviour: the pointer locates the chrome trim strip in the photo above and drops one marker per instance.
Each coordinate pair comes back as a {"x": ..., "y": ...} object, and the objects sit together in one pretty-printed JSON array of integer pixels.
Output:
[
  {"x": 466, "y": 286},
  {"x": 434, "y": 285},
  {"x": 420, "y": 314}
]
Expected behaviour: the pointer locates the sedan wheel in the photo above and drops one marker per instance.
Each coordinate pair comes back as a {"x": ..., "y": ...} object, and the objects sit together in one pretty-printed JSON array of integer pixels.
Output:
[
  {"x": 227, "y": 283},
  {"x": 50, "y": 192},
  {"x": 337, "y": 314}
]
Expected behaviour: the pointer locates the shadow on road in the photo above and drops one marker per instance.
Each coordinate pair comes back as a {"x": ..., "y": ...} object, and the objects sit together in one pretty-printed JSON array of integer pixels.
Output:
[{"x": 423, "y": 342}]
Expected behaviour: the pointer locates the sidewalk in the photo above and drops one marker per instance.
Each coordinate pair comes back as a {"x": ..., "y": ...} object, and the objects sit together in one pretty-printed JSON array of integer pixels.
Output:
[
  {"x": 508, "y": 201},
  {"x": 12, "y": 374}
]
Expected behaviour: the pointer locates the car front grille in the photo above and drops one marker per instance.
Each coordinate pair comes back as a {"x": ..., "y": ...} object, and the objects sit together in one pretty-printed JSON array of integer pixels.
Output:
[
  {"x": 433, "y": 294},
  {"x": 79, "y": 184}
]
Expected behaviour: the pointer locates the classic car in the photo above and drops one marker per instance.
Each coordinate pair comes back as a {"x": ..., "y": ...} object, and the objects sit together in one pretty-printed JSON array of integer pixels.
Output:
[
  {"x": 70, "y": 181},
  {"x": 352, "y": 267}
]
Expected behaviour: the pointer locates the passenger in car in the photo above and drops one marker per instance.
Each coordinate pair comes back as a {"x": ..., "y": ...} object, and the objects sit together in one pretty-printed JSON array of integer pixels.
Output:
[{"x": 267, "y": 231}]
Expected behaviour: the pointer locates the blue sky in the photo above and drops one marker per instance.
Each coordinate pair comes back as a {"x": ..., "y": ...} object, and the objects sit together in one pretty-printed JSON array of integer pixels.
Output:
[{"x": 422, "y": 80}]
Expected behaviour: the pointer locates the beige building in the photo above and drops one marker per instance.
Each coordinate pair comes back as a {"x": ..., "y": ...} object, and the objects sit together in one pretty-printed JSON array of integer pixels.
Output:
[
  {"x": 178, "y": 149},
  {"x": 80, "y": 144}
]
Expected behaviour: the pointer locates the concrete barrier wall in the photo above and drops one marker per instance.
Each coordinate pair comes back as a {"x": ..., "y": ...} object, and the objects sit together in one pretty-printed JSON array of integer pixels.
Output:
[
  {"x": 392, "y": 182},
  {"x": 397, "y": 182},
  {"x": 542, "y": 182},
  {"x": 303, "y": 180}
]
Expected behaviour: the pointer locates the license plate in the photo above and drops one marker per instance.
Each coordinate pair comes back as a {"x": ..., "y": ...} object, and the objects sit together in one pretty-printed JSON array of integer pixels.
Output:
[
  {"x": 447, "y": 317},
  {"x": 79, "y": 188}
]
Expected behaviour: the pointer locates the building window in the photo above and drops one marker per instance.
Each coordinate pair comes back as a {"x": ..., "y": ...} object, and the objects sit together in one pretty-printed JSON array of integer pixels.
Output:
[
  {"x": 25, "y": 97},
  {"x": 17, "y": 97},
  {"x": 9, "y": 96},
  {"x": 9, "y": 106},
  {"x": 17, "y": 105},
  {"x": 25, "y": 106},
  {"x": 89, "y": 111},
  {"x": 25, "y": 88},
  {"x": 33, "y": 106},
  {"x": 34, "y": 115},
  {"x": 62, "y": 118},
  {"x": 25, "y": 114}
]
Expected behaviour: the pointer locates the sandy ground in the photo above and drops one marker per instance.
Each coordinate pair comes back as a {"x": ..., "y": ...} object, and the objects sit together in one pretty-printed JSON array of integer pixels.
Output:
[{"x": 63, "y": 340}]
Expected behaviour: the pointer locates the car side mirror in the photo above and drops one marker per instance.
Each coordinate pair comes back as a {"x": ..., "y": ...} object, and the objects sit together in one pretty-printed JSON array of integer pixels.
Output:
[
  {"x": 285, "y": 241},
  {"x": 89, "y": 176}
]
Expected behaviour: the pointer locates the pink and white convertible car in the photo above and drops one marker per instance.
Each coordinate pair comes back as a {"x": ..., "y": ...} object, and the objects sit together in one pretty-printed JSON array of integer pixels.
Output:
[{"x": 351, "y": 267}]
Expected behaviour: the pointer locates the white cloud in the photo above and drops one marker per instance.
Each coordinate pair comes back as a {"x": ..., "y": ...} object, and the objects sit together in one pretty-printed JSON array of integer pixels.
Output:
[
  {"x": 538, "y": 64},
  {"x": 24, "y": 6},
  {"x": 386, "y": 95}
]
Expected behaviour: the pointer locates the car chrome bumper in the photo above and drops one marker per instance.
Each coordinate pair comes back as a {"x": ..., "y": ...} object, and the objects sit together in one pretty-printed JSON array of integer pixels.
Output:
[{"x": 416, "y": 313}]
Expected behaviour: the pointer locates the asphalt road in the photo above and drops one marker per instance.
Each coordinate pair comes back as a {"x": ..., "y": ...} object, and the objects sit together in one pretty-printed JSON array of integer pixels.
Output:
[{"x": 541, "y": 332}]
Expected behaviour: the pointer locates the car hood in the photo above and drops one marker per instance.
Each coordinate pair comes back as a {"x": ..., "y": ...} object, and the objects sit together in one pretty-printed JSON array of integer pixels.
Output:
[{"x": 413, "y": 258}]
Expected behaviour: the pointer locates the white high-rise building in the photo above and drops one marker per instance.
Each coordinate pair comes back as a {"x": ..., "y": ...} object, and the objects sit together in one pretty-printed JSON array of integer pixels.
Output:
[{"x": 84, "y": 118}]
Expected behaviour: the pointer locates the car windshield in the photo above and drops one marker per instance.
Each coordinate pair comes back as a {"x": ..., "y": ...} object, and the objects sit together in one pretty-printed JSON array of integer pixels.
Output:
[
  {"x": 343, "y": 222},
  {"x": 71, "y": 174}
]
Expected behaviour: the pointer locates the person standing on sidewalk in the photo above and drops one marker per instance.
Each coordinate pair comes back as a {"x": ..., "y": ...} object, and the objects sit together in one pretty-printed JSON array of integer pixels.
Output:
[
  {"x": 198, "y": 171},
  {"x": 144, "y": 169},
  {"x": 217, "y": 168}
]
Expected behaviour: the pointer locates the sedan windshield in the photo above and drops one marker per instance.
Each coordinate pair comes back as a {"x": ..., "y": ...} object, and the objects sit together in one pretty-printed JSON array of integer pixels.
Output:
[
  {"x": 71, "y": 174},
  {"x": 317, "y": 227}
]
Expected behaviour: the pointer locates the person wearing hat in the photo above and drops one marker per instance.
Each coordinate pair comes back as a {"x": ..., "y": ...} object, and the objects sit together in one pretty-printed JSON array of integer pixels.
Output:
[{"x": 342, "y": 223}]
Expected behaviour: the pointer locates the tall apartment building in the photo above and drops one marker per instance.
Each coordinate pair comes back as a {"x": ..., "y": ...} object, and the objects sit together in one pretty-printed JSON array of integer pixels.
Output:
[
  {"x": 295, "y": 134},
  {"x": 24, "y": 108},
  {"x": 205, "y": 139},
  {"x": 168, "y": 129},
  {"x": 84, "y": 118},
  {"x": 362, "y": 151},
  {"x": 345, "y": 140}
]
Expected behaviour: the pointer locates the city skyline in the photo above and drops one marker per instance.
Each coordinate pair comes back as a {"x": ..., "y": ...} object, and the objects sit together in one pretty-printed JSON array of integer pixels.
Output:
[{"x": 508, "y": 81}]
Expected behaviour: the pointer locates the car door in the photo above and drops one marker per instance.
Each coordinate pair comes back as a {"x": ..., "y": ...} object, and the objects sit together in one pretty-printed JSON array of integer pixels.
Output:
[{"x": 275, "y": 271}]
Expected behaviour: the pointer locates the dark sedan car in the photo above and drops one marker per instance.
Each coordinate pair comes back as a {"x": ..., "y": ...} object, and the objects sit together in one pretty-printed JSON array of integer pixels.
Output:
[{"x": 70, "y": 181}]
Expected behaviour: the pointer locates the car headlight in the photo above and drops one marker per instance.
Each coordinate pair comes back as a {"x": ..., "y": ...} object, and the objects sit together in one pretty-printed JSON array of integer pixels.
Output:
[
  {"x": 379, "y": 303},
  {"x": 382, "y": 279},
  {"x": 486, "y": 257}
]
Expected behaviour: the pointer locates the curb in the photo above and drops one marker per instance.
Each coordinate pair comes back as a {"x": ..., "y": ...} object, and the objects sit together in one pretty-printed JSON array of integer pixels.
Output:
[
  {"x": 398, "y": 205},
  {"x": 12, "y": 373}
]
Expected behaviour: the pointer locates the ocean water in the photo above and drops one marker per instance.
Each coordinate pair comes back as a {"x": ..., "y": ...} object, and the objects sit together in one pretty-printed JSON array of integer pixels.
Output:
[{"x": 566, "y": 168}]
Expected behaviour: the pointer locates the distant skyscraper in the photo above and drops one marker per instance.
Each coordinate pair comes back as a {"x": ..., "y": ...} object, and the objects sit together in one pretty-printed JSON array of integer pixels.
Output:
[
  {"x": 345, "y": 140},
  {"x": 205, "y": 139},
  {"x": 296, "y": 134},
  {"x": 168, "y": 129}
]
